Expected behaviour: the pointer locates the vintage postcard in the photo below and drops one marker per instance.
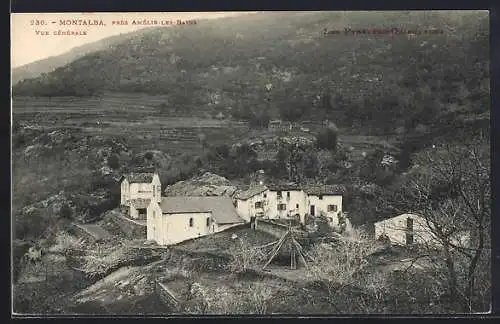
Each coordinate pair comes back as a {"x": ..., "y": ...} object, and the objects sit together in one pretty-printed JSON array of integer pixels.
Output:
[{"x": 251, "y": 163}]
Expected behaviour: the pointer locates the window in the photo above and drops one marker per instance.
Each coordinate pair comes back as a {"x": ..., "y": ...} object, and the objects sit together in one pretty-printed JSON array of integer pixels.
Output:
[
  {"x": 158, "y": 189},
  {"x": 191, "y": 222},
  {"x": 154, "y": 214},
  {"x": 297, "y": 206},
  {"x": 208, "y": 221},
  {"x": 288, "y": 194},
  {"x": 409, "y": 224},
  {"x": 281, "y": 206},
  {"x": 332, "y": 208},
  {"x": 154, "y": 191},
  {"x": 279, "y": 194},
  {"x": 258, "y": 204},
  {"x": 320, "y": 197},
  {"x": 265, "y": 195}
]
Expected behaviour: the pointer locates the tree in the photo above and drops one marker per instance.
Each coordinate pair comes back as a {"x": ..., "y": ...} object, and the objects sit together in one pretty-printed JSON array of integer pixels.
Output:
[
  {"x": 292, "y": 112},
  {"x": 114, "y": 162},
  {"x": 259, "y": 120},
  {"x": 336, "y": 267},
  {"x": 462, "y": 172},
  {"x": 327, "y": 139},
  {"x": 65, "y": 211}
]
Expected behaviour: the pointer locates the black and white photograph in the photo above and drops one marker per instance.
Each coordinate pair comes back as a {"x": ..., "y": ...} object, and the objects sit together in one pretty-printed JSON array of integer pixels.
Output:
[{"x": 292, "y": 163}]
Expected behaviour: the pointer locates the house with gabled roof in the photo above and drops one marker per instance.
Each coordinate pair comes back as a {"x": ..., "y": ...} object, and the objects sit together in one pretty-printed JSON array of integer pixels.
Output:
[
  {"x": 409, "y": 229},
  {"x": 137, "y": 191},
  {"x": 325, "y": 200},
  {"x": 177, "y": 219},
  {"x": 289, "y": 201},
  {"x": 250, "y": 203}
]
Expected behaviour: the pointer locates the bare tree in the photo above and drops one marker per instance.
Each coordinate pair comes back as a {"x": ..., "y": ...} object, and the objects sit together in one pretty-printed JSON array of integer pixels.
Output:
[
  {"x": 336, "y": 266},
  {"x": 450, "y": 188}
]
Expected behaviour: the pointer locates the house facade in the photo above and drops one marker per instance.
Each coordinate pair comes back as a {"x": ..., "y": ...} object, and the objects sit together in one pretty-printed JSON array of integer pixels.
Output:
[
  {"x": 404, "y": 229},
  {"x": 287, "y": 202},
  {"x": 281, "y": 126},
  {"x": 252, "y": 203},
  {"x": 177, "y": 219},
  {"x": 408, "y": 229},
  {"x": 325, "y": 202},
  {"x": 137, "y": 191}
]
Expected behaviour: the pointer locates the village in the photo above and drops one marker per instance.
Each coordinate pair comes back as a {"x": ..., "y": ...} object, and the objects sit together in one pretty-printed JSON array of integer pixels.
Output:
[
  {"x": 159, "y": 240},
  {"x": 171, "y": 220},
  {"x": 248, "y": 165}
]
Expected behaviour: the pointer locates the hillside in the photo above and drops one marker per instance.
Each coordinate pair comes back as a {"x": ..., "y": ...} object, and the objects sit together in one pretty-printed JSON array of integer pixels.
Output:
[
  {"x": 38, "y": 68},
  {"x": 228, "y": 65}
]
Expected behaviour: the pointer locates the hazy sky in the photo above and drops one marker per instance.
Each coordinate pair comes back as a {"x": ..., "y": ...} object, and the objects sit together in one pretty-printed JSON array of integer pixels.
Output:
[{"x": 27, "y": 46}]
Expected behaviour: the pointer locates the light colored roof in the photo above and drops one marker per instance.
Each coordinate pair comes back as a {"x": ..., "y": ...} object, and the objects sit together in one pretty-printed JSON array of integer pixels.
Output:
[
  {"x": 397, "y": 216},
  {"x": 139, "y": 177},
  {"x": 139, "y": 202},
  {"x": 251, "y": 192},
  {"x": 222, "y": 208}
]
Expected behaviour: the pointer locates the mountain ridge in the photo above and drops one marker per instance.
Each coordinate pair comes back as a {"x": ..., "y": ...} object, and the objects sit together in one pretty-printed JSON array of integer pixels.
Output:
[{"x": 281, "y": 61}]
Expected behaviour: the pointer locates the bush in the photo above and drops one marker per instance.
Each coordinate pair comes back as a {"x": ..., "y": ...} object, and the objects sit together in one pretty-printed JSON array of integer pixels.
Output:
[
  {"x": 66, "y": 243},
  {"x": 244, "y": 256},
  {"x": 65, "y": 211},
  {"x": 327, "y": 139},
  {"x": 254, "y": 299},
  {"x": 114, "y": 162}
]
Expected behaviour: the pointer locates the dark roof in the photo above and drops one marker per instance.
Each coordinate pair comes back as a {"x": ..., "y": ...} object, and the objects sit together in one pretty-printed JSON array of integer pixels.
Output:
[
  {"x": 284, "y": 187},
  {"x": 244, "y": 195},
  {"x": 222, "y": 208},
  {"x": 139, "y": 177},
  {"x": 325, "y": 190},
  {"x": 139, "y": 202}
]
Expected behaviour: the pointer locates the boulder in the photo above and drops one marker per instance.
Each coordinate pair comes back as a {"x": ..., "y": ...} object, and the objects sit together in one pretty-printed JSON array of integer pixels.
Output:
[{"x": 208, "y": 184}]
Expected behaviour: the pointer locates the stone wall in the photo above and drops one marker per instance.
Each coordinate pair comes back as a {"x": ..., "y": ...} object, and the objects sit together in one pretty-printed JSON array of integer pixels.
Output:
[
  {"x": 130, "y": 228},
  {"x": 274, "y": 229}
]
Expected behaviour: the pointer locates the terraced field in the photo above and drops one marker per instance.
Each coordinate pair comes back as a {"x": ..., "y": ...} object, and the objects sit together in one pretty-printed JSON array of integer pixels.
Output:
[{"x": 135, "y": 117}]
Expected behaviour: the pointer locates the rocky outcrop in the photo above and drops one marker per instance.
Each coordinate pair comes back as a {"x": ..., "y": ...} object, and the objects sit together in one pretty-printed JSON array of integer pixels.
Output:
[{"x": 208, "y": 184}]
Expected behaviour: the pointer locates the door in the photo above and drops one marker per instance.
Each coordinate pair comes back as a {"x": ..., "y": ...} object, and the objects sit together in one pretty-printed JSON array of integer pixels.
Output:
[
  {"x": 409, "y": 231},
  {"x": 312, "y": 210}
]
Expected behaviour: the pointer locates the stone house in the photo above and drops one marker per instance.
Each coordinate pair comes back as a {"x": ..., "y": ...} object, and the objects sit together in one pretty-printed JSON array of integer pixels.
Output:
[
  {"x": 177, "y": 219},
  {"x": 408, "y": 229},
  {"x": 281, "y": 126},
  {"x": 326, "y": 201},
  {"x": 291, "y": 202},
  {"x": 137, "y": 191}
]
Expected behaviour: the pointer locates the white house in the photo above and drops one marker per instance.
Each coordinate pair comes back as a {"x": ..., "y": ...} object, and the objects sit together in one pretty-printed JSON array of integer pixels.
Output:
[
  {"x": 252, "y": 202},
  {"x": 177, "y": 219},
  {"x": 288, "y": 202},
  {"x": 327, "y": 201},
  {"x": 138, "y": 190},
  {"x": 406, "y": 229}
]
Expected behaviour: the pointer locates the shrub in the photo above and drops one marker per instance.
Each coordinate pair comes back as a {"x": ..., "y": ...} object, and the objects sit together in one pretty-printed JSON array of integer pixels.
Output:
[
  {"x": 66, "y": 243},
  {"x": 327, "y": 139},
  {"x": 255, "y": 299},
  {"x": 244, "y": 255},
  {"x": 65, "y": 211},
  {"x": 114, "y": 162}
]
